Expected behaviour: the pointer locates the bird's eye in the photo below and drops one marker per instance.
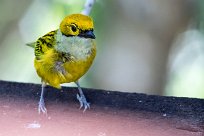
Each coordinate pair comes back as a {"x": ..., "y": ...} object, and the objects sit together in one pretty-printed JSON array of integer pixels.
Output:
[{"x": 73, "y": 27}]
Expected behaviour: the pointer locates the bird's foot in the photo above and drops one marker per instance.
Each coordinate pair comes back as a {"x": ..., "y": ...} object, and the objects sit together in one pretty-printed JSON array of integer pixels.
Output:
[
  {"x": 41, "y": 107},
  {"x": 83, "y": 102}
]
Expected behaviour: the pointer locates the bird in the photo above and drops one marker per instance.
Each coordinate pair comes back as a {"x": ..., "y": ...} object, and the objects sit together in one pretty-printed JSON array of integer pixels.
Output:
[{"x": 65, "y": 55}]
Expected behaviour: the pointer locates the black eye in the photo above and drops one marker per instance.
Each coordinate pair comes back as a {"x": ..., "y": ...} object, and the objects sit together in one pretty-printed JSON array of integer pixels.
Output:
[{"x": 73, "y": 28}]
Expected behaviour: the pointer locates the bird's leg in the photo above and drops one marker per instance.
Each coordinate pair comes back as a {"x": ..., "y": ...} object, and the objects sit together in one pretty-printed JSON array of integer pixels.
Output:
[
  {"x": 41, "y": 104},
  {"x": 82, "y": 98}
]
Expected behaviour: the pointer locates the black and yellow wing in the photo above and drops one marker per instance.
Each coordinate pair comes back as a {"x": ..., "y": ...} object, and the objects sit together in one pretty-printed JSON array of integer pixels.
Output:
[{"x": 43, "y": 44}]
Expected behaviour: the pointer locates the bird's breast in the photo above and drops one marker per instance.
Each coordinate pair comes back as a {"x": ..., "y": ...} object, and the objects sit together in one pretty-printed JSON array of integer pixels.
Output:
[
  {"x": 79, "y": 48},
  {"x": 82, "y": 52}
]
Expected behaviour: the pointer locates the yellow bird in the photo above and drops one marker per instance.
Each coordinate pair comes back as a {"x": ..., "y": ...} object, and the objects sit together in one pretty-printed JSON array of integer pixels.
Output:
[{"x": 65, "y": 55}]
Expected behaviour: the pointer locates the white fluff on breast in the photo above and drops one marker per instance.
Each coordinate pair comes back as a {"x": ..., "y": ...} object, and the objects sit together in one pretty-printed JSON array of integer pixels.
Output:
[{"x": 78, "y": 47}]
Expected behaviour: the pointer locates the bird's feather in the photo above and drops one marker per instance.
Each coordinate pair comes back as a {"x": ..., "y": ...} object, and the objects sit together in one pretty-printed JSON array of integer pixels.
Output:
[{"x": 44, "y": 43}]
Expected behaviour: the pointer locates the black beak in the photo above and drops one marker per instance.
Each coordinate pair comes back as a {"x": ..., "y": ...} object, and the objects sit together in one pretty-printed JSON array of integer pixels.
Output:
[{"x": 87, "y": 34}]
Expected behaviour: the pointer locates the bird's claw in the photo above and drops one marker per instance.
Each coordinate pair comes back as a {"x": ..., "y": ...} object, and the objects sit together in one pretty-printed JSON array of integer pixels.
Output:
[
  {"x": 41, "y": 107},
  {"x": 83, "y": 102}
]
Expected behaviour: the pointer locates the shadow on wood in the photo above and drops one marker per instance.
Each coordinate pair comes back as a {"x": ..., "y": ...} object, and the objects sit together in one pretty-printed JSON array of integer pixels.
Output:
[{"x": 112, "y": 113}]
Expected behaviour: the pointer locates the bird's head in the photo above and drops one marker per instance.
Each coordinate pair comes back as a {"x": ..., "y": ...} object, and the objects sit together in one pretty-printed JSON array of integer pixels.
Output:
[{"x": 77, "y": 25}]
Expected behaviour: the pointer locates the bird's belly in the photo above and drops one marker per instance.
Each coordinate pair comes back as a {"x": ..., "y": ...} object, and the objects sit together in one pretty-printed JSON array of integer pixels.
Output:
[
  {"x": 55, "y": 72},
  {"x": 77, "y": 68}
]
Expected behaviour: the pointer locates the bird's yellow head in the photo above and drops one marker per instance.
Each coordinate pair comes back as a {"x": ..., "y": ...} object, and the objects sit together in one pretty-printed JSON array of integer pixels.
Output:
[{"x": 77, "y": 25}]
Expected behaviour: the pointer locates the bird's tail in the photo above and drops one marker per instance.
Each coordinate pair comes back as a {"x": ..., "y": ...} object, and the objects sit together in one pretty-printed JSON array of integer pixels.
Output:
[{"x": 31, "y": 44}]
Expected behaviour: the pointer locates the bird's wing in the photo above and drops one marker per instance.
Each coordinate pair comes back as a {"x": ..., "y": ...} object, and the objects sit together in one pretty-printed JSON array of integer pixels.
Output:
[{"x": 45, "y": 43}]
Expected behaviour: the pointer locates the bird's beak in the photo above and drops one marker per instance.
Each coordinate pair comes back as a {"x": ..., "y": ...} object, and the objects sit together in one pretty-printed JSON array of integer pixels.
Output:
[{"x": 88, "y": 34}]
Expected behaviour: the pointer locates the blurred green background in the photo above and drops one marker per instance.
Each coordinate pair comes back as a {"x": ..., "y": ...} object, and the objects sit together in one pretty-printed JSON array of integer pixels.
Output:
[{"x": 147, "y": 46}]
